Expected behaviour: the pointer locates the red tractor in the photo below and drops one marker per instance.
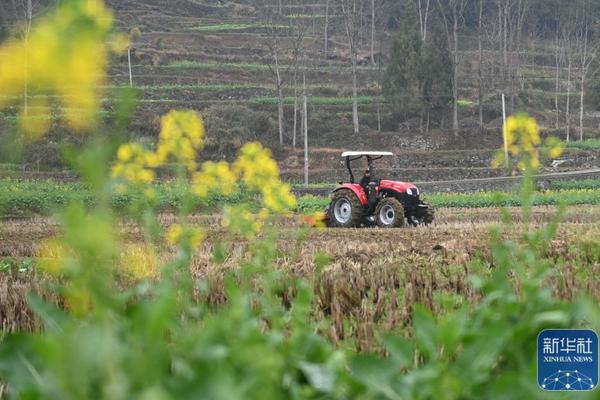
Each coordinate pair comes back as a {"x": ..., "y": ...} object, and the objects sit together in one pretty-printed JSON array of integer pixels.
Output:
[{"x": 385, "y": 203}]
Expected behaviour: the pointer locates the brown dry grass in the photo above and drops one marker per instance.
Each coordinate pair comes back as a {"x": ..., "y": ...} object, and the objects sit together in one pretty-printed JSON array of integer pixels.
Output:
[
  {"x": 15, "y": 315},
  {"x": 373, "y": 278}
]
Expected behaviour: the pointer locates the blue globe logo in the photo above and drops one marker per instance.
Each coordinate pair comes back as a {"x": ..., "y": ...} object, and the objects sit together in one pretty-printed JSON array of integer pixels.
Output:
[{"x": 568, "y": 380}]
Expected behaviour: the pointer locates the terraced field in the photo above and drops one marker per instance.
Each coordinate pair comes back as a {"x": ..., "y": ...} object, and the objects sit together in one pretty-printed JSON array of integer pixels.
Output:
[{"x": 204, "y": 55}]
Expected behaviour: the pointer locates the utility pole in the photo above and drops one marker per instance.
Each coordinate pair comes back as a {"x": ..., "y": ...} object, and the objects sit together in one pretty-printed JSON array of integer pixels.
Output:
[
  {"x": 305, "y": 123},
  {"x": 129, "y": 62},
  {"x": 504, "y": 130}
]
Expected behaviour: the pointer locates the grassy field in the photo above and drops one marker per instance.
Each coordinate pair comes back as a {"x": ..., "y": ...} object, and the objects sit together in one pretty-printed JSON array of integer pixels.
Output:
[
  {"x": 566, "y": 196},
  {"x": 589, "y": 144},
  {"x": 20, "y": 198},
  {"x": 257, "y": 67},
  {"x": 236, "y": 27},
  {"x": 318, "y": 100}
]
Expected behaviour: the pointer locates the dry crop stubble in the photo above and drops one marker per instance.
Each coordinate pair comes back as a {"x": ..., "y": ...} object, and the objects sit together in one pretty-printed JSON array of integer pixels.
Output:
[{"x": 372, "y": 278}]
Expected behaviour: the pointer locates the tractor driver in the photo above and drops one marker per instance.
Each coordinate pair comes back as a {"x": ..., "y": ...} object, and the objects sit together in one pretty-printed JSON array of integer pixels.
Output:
[
  {"x": 369, "y": 186},
  {"x": 366, "y": 179}
]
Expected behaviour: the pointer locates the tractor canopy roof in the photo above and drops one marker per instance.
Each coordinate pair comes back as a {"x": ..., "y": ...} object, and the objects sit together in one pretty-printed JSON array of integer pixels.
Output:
[{"x": 366, "y": 153}]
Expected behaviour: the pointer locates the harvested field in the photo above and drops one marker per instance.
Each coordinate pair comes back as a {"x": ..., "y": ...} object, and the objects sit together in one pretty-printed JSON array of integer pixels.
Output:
[{"x": 364, "y": 280}]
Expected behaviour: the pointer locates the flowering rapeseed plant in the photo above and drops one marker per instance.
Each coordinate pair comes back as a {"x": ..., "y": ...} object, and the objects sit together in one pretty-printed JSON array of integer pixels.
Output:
[
  {"x": 67, "y": 55},
  {"x": 181, "y": 137},
  {"x": 133, "y": 164},
  {"x": 177, "y": 234},
  {"x": 139, "y": 261},
  {"x": 214, "y": 177},
  {"x": 523, "y": 142},
  {"x": 238, "y": 219},
  {"x": 259, "y": 172}
]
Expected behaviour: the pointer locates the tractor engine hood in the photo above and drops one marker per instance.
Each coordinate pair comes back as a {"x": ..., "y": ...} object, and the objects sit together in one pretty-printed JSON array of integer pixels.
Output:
[{"x": 400, "y": 187}]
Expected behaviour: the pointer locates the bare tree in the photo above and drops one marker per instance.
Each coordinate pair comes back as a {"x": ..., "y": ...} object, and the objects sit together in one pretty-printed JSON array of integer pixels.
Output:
[
  {"x": 587, "y": 53},
  {"x": 569, "y": 55},
  {"x": 26, "y": 7},
  {"x": 351, "y": 10},
  {"x": 511, "y": 18},
  {"x": 274, "y": 65},
  {"x": 373, "y": 32},
  {"x": 480, "y": 66},
  {"x": 300, "y": 29},
  {"x": 283, "y": 53},
  {"x": 423, "y": 7},
  {"x": 558, "y": 59},
  {"x": 326, "y": 29},
  {"x": 452, "y": 17},
  {"x": 516, "y": 22}
]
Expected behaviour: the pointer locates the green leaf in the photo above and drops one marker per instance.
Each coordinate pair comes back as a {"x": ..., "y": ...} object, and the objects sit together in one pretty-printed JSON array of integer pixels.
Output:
[
  {"x": 425, "y": 331},
  {"x": 376, "y": 374},
  {"x": 401, "y": 350},
  {"x": 319, "y": 376}
]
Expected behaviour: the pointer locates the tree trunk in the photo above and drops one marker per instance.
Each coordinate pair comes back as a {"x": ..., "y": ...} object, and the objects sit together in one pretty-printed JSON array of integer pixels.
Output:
[
  {"x": 423, "y": 17},
  {"x": 581, "y": 106},
  {"x": 455, "y": 126},
  {"x": 350, "y": 23},
  {"x": 568, "y": 107},
  {"x": 379, "y": 94},
  {"x": 29, "y": 18},
  {"x": 557, "y": 81},
  {"x": 279, "y": 100},
  {"x": 354, "y": 95},
  {"x": 305, "y": 125},
  {"x": 373, "y": 32},
  {"x": 480, "y": 69},
  {"x": 326, "y": 29},
  {"x": 425, "y": 21},
  {"x": 295, "y": 115},
  {"x": 505, "y": 37},
  {"x": 584, "y": 67}
]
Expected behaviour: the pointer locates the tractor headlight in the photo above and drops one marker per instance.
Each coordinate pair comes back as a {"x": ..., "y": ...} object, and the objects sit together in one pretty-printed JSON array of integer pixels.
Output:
[
  {"x": 412, "y": 191},
  {"x": 409, "y": 191}
]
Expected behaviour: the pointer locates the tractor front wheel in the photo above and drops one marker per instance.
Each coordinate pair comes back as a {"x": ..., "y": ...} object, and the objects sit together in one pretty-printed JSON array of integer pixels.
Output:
[
  {"x": 425, "y": 215},
  {"x": 345, "y": 210},
  {"x": 389, "y": 213}
]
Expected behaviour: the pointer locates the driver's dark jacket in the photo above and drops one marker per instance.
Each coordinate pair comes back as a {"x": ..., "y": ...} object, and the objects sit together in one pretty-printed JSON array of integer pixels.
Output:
[{"x": 364, "y": 182}]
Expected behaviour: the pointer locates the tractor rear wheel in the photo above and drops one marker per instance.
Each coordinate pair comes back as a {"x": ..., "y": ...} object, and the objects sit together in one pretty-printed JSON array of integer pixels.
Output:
[
  {"x": 389, "y": 213},
  {"x": 345, "y": 210}
]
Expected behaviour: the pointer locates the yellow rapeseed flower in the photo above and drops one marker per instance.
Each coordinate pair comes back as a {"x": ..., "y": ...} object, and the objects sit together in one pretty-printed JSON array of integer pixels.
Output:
[
  {"x": 52, "y": 256},
  {"x": 139, "y": 261},
  {"x": 555, "y": 147},
  {"x": 238, "y": 219},
  {"x": 197, "y": 236},
  {"x": 38, "y": 119},
  {"x": 181, "y": 137},
  {"x": 132, "y": 164},
  {"x": 256, "y": 166},
  {"x": 523, "y": 142},
  {"x": 214, "y": 177},
  {"x": 259, "y": 173},
  {"x": 177, "y": 235},
  {"x": 66, "y": 54},
  {"x": 119, "y": 43},
  {"x": 278, "y": 197},
  {"x": 173, "y": 234}
]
